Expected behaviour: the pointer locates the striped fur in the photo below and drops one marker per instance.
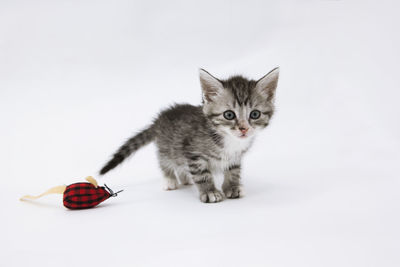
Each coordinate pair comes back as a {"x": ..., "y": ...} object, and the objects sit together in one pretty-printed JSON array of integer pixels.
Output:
[
  {"x": 134, "y": 143},
  {"x": 195, "y": 142}
]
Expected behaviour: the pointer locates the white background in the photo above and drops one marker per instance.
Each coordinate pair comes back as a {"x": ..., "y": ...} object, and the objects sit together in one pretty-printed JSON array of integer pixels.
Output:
[{"x": 79, "y": 77}]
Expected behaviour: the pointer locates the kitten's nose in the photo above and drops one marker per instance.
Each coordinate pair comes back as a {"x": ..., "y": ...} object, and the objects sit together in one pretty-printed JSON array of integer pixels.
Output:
[{"x": 243, "y": 129}]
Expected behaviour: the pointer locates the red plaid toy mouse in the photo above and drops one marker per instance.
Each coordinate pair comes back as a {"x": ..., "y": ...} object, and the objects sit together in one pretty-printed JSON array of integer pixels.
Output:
[{"x": 80, "y": 195}]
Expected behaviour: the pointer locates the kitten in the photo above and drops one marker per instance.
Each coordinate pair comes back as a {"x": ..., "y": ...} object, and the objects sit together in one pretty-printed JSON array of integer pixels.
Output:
[{"x": 195, "y": 142}]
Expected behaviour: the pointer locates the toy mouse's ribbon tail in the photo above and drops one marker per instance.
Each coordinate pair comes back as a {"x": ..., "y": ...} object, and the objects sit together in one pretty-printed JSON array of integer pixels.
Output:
[{"x": 55, "y": 190}]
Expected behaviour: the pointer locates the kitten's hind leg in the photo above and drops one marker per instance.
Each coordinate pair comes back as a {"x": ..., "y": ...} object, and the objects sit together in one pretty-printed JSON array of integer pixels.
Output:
[
  {"x": 171, "y": 183},
  {"x": 184, "y": 178}
]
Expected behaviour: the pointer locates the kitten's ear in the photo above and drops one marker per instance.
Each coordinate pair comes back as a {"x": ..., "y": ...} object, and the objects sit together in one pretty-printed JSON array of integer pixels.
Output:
[
  {"x": 210, "y": 86},
  {"x": 266, "y": 86}
]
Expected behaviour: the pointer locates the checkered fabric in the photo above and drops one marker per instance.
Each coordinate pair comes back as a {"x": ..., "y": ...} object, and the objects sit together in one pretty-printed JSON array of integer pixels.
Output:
[{"x": 84, "y": 196}]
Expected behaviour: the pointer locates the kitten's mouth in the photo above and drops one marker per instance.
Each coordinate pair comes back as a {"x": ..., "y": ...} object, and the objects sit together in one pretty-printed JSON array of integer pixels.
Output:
[{"x": 241, "y": 135}]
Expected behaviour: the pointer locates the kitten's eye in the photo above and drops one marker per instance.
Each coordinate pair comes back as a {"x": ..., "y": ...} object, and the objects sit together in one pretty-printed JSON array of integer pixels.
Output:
[
  {"x": 229, "y": 115},
  {"x": 255, "y": 114}
]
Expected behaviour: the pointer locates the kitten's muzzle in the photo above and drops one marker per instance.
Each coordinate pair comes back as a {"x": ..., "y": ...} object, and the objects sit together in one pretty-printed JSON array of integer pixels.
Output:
[{"x": 243, "y": 130}]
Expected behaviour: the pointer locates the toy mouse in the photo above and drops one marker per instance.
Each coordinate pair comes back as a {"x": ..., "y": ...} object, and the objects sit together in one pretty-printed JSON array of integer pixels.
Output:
[{"x": 79, "y": 195}]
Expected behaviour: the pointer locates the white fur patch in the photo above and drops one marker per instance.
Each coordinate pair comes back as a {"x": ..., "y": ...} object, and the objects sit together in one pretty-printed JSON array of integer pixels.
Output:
[{"x": 232, "y": 152}]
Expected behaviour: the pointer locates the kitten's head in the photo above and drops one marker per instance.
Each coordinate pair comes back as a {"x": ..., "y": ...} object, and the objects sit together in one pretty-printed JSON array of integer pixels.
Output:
[{"x": 238, "y": 106}]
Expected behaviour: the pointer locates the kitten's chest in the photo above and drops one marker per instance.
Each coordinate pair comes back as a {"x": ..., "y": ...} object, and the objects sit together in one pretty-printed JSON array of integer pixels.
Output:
[{"x": 231, "y": 153}]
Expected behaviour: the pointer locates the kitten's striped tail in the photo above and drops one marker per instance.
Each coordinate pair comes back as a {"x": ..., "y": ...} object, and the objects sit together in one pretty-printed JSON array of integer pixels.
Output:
[{"x": 133, "y": 144}]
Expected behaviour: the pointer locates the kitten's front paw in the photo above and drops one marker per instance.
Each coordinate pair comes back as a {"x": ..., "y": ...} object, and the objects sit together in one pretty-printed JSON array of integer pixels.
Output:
[
  {"x": 212, "y": 196},
  {"x": 234, "y": 192}
]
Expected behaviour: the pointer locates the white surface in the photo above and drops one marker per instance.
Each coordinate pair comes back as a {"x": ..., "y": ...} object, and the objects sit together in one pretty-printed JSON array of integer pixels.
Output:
[{"x": 77, "y": 78}]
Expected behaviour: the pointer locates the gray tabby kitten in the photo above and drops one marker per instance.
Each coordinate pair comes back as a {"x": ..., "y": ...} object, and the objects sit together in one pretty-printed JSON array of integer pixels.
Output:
[{"x": 195, "y": 142}]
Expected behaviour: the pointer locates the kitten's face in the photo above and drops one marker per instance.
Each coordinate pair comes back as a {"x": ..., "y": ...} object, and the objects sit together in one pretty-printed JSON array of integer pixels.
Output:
[{"x": 237, "y": 106}]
